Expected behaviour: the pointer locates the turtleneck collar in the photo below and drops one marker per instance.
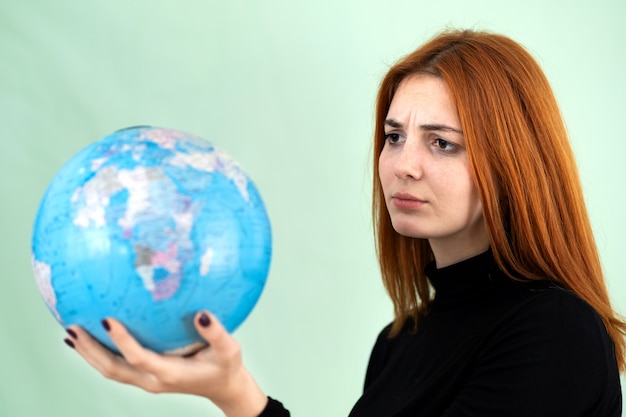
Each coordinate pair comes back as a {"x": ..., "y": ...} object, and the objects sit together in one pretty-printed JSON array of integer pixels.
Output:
[{"x": 464, "y": 280}]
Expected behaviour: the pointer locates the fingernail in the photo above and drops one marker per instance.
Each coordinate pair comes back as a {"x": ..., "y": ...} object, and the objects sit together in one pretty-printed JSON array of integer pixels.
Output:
[
  {"x": 204, "y": 320},
  {"x": 69, "y": 343},
  {"x": 72, "y": 333},
  {"x": 106, "y": 325}
]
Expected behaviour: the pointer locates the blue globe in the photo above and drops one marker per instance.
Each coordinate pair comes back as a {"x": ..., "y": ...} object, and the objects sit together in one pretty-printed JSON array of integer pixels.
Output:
[{"x": 150, "y": 225}]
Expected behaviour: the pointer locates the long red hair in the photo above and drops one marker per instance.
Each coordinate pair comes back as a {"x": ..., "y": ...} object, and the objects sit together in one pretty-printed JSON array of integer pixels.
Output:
[{"x": 523, "y": 167}]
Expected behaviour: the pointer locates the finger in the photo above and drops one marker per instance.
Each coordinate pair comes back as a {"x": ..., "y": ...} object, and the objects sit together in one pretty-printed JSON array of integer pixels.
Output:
[
  {"x": 106, "y": 362},
  {"x": 162, "y": 373},
  {"x": 211, "y": 329},
  {"x": 135, "y": 355}
]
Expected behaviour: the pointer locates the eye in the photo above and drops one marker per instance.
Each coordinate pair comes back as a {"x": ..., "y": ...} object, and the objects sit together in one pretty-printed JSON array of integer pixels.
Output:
[
  {"x": 393, "y": 138},
  {"x": 445, "y": 145}
]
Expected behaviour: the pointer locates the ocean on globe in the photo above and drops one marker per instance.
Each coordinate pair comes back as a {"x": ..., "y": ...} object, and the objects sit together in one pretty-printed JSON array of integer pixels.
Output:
[{"x": 149, "y": 226}]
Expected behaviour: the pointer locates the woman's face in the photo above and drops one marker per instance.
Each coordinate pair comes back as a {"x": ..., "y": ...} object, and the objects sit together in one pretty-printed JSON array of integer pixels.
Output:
[{"x": 425, "y": 174}]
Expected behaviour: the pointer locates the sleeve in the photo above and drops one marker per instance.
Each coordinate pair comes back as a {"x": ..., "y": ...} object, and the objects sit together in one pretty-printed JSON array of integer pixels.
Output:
[
  {"x": 553, "y": 358},
  {"x": 274, "y": 408}
]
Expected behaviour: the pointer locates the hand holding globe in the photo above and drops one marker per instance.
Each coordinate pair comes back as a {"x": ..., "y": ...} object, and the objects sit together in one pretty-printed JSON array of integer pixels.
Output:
[{"x": 215, "y": 372}]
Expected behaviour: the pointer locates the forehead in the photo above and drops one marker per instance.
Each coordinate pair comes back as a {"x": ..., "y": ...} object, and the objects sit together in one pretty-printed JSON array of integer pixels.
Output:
[{"x": 423, "y": 98}]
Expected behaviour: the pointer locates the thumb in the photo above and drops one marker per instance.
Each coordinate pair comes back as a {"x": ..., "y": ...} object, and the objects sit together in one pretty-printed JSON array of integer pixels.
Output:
[
  {"x": 212, "y": 330},
  {"x": 231, "y": 386}
]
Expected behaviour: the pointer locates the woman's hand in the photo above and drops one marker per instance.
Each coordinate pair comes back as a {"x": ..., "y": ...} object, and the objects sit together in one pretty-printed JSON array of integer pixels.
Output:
[{"x": 215, "y": 372}]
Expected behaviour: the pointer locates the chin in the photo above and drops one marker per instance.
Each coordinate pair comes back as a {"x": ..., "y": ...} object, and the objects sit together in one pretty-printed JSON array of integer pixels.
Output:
[{"x": 409, "y": 231}]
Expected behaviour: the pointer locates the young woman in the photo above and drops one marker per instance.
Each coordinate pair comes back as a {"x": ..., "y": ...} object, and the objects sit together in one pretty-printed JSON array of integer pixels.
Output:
[{"x": 485, "y": 248}]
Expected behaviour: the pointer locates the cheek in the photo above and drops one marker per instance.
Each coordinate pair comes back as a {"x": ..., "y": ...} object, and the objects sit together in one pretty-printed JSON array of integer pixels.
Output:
[
  {"x": 383, "y": 171},
  {"x": 462, "y": 191},
  {"x": 474, "y": 206}
]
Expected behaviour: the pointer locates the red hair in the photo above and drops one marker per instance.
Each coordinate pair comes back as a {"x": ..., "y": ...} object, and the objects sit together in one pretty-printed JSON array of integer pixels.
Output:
[{"x": 523, "y": 168}]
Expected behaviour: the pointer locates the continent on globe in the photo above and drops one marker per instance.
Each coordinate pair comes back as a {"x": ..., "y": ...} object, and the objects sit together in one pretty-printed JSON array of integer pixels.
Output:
[{"x": 150, "y": 225}]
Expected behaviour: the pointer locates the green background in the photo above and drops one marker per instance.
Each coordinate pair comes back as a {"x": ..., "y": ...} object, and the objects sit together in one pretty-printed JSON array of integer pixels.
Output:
[{"x": 287, "y": 88}]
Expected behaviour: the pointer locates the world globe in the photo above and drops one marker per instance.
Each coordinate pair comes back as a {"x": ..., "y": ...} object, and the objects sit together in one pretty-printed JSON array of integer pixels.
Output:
[{"x": 150, "y": 225}]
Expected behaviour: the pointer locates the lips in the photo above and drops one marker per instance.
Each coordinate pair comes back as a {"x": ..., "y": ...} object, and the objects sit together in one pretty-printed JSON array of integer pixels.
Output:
[{"x": 406, "y": 201}]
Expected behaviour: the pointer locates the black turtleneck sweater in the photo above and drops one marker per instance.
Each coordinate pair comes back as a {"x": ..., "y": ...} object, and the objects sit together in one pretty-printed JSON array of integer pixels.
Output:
[{"x": 492, "y": 346}]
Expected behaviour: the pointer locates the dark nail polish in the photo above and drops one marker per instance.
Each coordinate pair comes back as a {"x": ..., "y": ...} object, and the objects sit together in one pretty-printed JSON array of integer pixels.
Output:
[
  {"x": 204, "y": 320},
  {"x": 69, "y": 343},
  {"x": 106, "y": 325},
  {"x": 72, "y": 333}
]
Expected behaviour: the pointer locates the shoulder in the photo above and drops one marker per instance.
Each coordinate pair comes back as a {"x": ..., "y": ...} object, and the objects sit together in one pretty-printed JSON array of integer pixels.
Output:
[
  {"x": 381, "y": 347},
  {"x": 548, "y": 355},
  {"x": 380, "y": 352},
  {"x": 557, "y": 343},
  {"x": 557, "y": 319},
  {"x": 551, "y": 308}
]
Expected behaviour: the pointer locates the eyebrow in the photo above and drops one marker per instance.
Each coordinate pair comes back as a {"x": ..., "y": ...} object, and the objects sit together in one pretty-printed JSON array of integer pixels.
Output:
[{"x": 435, "y": 127}]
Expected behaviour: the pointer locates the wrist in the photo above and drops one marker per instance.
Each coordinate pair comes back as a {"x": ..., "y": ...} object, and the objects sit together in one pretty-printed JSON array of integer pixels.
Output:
[{"x": 246, "y": 398}]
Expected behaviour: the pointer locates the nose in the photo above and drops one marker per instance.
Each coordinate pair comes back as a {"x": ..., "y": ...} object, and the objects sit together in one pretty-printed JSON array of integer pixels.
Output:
[{"x": 409, "y": 163}]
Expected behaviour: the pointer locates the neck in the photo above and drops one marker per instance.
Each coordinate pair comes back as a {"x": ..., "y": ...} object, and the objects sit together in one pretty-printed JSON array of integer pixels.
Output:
[{"x": 447, "y": 253}]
